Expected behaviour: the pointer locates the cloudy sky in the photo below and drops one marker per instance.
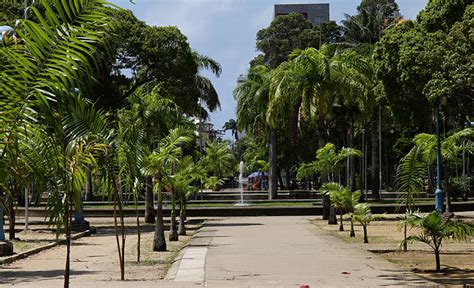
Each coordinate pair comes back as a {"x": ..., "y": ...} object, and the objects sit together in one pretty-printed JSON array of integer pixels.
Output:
[{"x": 225, "y": 30}]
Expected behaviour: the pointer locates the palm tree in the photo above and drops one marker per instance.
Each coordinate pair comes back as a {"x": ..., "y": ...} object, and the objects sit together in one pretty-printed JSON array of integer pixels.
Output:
[
  {"x": 56, "y": 56},
  {"x": 160, "y": 165},
  {"x": 187, "y": 172},
  {"x": 232, "y": 126},
  {"x": 252, "y": 107},
  {"x": 363, "y": 215},
  {"x": 434, "y": 230},
  {"x": 342, "y": 199},
  {"x": 328, "y": 162},
  {"x": 218, "y": 159}
]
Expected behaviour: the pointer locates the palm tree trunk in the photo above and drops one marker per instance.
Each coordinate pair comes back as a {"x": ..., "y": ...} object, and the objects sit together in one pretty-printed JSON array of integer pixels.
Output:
[
  {"x": 326, "y": 207},
  {"x": 366, "y": 239},
  {"x": 182, "y": 220},
  {"x": 332, "y": 216},
  {"x": 11, "y": 216},
  {"x": 375, "y": 162},
  {"x": 173, "y": 229},
  {"x": 353, "y": 234},
  {"x": 120, "y": 247},
  {"x": 149, "y": 209},
  {"x": 159, "y": 243},
  {"x": 341, "y": 225},
  {"x": 68, "y": 219},
  {"x": 438, "y": 261},
  {"x": 272, "y": 176},
  {"x": 138, "y": 235}
]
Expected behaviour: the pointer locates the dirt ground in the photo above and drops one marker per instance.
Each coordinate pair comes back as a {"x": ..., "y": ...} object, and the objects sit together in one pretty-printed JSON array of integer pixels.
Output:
[
  {"x": 95, "y": 258},
  {"x": 457, "y": 258}
]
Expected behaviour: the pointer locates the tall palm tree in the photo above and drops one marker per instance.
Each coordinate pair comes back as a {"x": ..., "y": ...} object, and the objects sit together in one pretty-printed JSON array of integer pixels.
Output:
[
  {"x": 232, "y": 126},
  {"x": 253, "y": 98}
]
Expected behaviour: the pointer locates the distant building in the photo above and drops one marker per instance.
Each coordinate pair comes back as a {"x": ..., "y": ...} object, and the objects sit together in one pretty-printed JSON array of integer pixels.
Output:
[
  {"x": 316, "y": 13},
  {"x": 241, "y": 79}
]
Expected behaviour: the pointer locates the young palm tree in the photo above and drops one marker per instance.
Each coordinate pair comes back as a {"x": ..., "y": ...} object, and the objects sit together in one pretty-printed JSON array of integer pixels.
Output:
[
  {"x": 328, "y": 162},
  {"x": 434, "y": 230},
  {"x": 187, "y": 172},
  {"x": 342, "y": 199},
  {"x": 159, "y": 165},
  {"x": 363, "y": 215}
]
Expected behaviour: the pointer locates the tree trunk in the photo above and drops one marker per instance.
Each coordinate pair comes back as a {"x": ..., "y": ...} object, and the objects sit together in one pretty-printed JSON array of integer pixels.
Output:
[
  {"x": 272, "y": 179},
  {"x": 375, "y": 162},
  {"x": 67, "y": 217},
  {"x": 326, "y": 206},
  {"x": 341, "y": 225},
  {"x": 438, "y": 261},
  {"x": 159, "y": 243},
  {"x": 173, "y": 229},
  {"x": 332, "y": 216},
  {"x": 351, "y": 170},
  {"x": 138, "y": 236},
  {"x": 11, "y": 216},
  {"x": 288, "y": 178},
  {"x": 120, "y": 247},
  {"x": 182, "y": 220},
  {"x": 366, "y": 239},
  {"x": 353, "y": 234},
  {"x": 149, "y": 209}
]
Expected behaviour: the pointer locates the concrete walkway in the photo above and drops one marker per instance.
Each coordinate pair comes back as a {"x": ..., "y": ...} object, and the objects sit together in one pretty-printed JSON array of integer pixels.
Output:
[
  {"x": 252, "y": 252},
  {"x": 286, "y": 252}
]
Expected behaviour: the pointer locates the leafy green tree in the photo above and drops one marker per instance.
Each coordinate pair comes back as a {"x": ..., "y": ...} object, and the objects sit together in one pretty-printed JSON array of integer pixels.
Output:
[
  {"x": 442, "y": 14},
  {"x": 434, "y": 230},
  {"x": 282, "y": 37}
]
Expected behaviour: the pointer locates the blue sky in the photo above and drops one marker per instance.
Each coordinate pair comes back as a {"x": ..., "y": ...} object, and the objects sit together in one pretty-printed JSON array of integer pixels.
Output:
[{"x": 225, "y": 30}]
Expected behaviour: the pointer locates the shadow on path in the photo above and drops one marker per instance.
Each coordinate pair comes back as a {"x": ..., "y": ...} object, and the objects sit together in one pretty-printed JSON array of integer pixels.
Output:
[{"x": 10, "y": 276}]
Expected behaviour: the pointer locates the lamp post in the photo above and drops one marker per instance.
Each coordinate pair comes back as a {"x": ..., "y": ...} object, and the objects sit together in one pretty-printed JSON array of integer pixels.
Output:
[{"x": 439, "y": 194}]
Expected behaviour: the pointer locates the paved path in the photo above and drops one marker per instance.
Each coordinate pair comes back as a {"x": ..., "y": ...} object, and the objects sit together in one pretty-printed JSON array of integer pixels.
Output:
[
  {"x": 261, "y": 252},
  {"x": 286, "y": 252}
]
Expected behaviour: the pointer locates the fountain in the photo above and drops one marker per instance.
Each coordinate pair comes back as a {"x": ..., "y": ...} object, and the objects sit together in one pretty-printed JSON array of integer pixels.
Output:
[{"x": 241, "y": 185}]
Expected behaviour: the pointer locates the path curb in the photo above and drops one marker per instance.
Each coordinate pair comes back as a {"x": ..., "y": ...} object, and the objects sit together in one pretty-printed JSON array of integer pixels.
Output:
[{"x": 36, "y": 250}]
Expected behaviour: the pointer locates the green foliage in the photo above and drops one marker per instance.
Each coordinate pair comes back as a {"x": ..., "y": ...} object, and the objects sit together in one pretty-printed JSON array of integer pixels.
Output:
[
  {"x": 213, "y": 183},
  {"x": 372, "y": 18},
  {"x": 218, "y": 159},
  {"x": 342, "y": 198},
  {"x": 364, "y": 216},
  {"x": 442, "y": 14},
  {"x": 328, "y": 161},
  {"x": 434, "y": 230}
]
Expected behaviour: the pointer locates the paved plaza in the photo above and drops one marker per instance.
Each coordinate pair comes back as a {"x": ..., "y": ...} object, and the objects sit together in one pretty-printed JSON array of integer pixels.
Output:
[{"x": 251, "y": 252}]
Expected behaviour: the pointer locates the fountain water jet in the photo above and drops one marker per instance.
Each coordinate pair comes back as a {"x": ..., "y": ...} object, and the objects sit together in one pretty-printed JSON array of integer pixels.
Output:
[{"x": 241, "y": 185}]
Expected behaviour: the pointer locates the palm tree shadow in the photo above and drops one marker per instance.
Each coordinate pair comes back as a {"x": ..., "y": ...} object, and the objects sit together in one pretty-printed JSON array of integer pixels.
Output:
[
  {"x": 230, "y": 224},
  {"x": 402, "y": 278},
  {"x": 10, "y": 276}
]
